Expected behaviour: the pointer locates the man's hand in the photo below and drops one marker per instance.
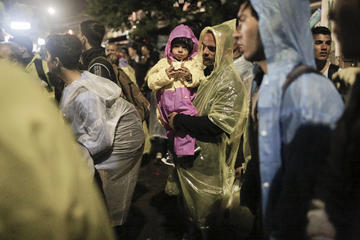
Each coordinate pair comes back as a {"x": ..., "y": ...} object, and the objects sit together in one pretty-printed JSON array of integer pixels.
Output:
[
  {"x": 171, "y": 119},
  {"x": 348, "y": 74}
]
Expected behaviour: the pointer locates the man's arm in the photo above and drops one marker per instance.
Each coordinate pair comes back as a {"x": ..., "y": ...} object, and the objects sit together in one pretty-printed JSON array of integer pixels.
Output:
[{"x": 194, "y": 126}]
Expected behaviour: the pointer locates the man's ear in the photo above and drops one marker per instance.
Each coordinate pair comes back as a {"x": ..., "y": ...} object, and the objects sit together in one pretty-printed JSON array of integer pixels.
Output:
[
  {"x": 83, "y": 39},
  {"x": 57, "y": 62}
]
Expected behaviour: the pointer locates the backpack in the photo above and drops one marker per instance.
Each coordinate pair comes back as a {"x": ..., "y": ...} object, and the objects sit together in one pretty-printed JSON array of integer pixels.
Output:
[{"x": 130, "y": 91}]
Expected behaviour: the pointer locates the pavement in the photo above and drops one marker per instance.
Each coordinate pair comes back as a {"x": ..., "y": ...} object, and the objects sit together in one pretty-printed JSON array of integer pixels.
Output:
[{"x": 153, "y": 215}]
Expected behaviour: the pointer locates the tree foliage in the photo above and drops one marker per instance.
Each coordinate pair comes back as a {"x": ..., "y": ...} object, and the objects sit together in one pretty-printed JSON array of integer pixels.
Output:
[{"x": 157, "y": 14}]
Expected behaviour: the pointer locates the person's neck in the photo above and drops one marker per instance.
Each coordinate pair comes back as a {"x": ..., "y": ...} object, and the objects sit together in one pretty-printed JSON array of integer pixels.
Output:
[
  {"x": 321, "y": 65},
  {"x": 263, "y": 66},
  {"x": 87, "y": 46},
  {"x": 208, "y": 70},
  {"x": 69, "y": 75}
]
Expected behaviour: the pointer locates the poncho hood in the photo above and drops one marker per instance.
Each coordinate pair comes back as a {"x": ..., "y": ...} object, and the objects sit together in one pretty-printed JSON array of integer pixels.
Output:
[
  {"x": 181, "y": 31},
  {"x": 285, "y": 34},
  {"x": 102, "y": 87},
  {"x": 224, "y": 39}
]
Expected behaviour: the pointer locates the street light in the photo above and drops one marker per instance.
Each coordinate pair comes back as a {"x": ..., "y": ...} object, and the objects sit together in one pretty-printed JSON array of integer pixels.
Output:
[
  {"x": 16, "y": 25},
  {"x": 51, "y": 10},
  {"x": 41, "y": 41}
]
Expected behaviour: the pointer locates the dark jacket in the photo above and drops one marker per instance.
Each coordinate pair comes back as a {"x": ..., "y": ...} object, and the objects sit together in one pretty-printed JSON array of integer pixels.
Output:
[
  {"x": 100, "y": 66},
  {"x": 339, "y": 180}
]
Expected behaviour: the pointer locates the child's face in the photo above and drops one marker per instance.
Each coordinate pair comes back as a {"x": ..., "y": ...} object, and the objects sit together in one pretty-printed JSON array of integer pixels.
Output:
[{"x": 180, "y": 52}]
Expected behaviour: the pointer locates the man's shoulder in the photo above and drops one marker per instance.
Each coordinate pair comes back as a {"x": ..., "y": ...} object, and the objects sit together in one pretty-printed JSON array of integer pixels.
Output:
[{"x": 313, "y": 90}]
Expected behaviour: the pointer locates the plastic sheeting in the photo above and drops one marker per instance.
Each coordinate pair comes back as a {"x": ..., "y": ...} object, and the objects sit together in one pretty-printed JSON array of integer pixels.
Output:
[
  {"x": 222, "y": 97},
  {"x": 102, "y": 121}
]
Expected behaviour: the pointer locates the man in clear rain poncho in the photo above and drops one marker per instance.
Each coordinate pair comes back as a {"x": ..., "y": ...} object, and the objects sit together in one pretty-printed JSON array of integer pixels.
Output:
[
  {"x": 207, "y": 179},
  {"x": 277, "y": 36}
]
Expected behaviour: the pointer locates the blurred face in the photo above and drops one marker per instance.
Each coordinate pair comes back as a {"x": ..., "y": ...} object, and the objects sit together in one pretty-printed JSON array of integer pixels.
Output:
[
  {"x": 5, "y": 52},
  {"x": 110, "y": 49},
  {"x": 111, "y": 53},
  {"x": 180, "y": 52},
  {"x": 209, "y": 49},
  {"x": 50, "y": 62},
  {"x": 145, "y": 51},
  {"x": 132, "y": 52},
  {"x": 248, "y": 35},
  {"x": 347, "y": 23},
  {"x": 322, "y": 46}
]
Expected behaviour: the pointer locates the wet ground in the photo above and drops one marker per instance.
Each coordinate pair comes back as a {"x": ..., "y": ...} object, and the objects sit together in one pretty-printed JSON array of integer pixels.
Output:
[{"x": 154, "y": 215}]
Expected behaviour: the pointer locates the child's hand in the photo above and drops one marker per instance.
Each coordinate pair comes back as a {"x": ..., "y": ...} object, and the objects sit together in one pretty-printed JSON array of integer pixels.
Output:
[
  {"x": 185, "y": 73},
  {"x": 170, "y": 72}
]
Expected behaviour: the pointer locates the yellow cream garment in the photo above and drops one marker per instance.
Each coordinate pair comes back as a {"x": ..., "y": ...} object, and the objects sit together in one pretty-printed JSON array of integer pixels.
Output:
[
  {"x": 158, "y": 79},
  {"x": 46, "y": 190}
]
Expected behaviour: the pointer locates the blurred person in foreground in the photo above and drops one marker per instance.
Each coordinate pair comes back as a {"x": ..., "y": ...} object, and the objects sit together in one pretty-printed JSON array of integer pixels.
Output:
[
  {"x": 108, "y": 126},
  {"x": 275, "y": 34},
  {"x": 335, "y": 212},
  {"x": 46, "y": 190}
]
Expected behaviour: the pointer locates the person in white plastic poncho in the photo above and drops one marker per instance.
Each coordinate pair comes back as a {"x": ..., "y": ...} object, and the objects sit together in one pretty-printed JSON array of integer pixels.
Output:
[
  {"x": 107, "y": 125},
  {"x": 207, "y": 181}
]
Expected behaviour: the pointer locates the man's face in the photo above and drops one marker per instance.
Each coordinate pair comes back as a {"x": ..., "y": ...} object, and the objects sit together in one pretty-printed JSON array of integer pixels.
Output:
[
  {"x": 111, "y": 53},
  {"x": 346, "y": 18},
  {"x": 82, "y": 39},
  {"x": 50, "y": 62},
  {"x": 110, "y": 49},
  {"x": 209, "y": 49},
  {"x": 322, "y": 46},
  {"x": 132, "y": 52},
  {"x": 248, "y": 35}
]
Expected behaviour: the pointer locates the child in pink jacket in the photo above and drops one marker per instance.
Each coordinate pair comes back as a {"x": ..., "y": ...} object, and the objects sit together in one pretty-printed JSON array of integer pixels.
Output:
[{"x": 175, "y": 78}]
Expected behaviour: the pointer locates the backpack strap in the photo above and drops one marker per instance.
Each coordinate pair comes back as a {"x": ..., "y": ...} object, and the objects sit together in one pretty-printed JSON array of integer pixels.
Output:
[
  {"x": 296, "y": 73},
  {"x": 41, "y": 73},
  {"x": 332, "y": 69}
]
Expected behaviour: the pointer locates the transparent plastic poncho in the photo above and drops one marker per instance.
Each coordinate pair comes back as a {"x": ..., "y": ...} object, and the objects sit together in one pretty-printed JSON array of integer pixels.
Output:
[{"x": 222, "y": 97}]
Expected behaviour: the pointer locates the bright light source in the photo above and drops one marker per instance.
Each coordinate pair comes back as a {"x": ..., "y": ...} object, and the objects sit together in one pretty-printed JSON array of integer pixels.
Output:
[
  {"x": 51, "y": 10},
  {"x": 41, "y": 41},
  {"x": 7, "y": 38},
  {"x": 71, "y": 32},
  {"x": 20, "y": 25}
]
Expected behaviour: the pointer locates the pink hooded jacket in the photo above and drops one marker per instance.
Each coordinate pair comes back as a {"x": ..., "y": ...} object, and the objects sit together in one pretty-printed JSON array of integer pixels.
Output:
[
  {"x": 181, "y": 31},
  {"x": 174, "y": 95}
]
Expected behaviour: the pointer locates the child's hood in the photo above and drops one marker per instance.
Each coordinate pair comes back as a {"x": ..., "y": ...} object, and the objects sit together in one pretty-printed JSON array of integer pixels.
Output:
[{"x": 181, "y": 31}]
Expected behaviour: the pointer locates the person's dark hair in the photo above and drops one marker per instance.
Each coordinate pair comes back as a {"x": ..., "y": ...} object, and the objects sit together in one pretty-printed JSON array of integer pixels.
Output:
[
  {"x": 247, "y": 4},
  {"x": 125, "y": 50},
  {"x": 320, "y": 30},
  {"x": 187, "y": 42},
  {"x": 66, "y": 47},
  {"x": 23, "y": 41},
  {"x": 94, "y": 32},
  {"x": 15, "y": 51}
]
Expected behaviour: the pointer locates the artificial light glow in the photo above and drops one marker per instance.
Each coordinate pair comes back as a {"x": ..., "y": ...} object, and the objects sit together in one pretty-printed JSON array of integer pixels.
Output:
[
  {"x": 20, "y": 25},
  {"x": 71, "y": 32},
  {"x": 41, "y": 41},
  {"x": 51, "y": 11}
]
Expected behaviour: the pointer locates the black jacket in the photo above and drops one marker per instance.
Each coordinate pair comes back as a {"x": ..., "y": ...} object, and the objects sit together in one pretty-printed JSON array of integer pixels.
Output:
[{"x": 100, "y": 66}]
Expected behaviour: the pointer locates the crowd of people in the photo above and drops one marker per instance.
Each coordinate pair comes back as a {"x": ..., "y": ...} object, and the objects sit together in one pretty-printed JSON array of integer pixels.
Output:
[{"x": 257, "y": 126}]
